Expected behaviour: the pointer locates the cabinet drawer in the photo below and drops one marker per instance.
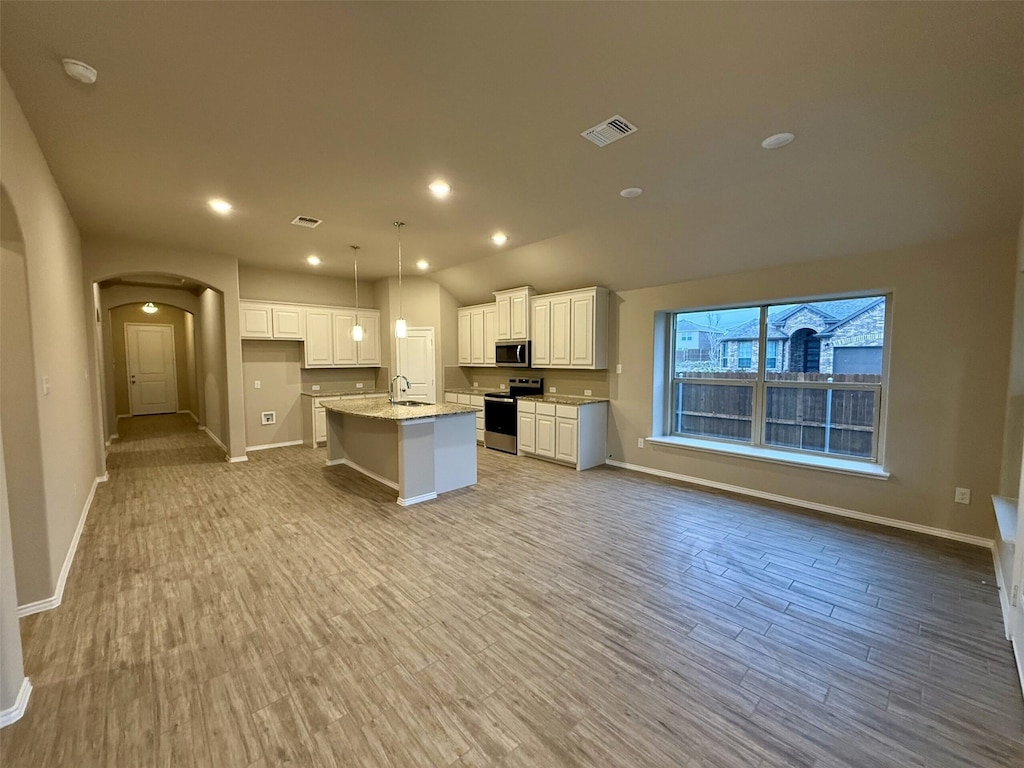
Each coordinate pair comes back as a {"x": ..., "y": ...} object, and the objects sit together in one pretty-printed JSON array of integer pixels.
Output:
[
  {"x": 465, "y": 399},
  {"x": 451, "y": 397},
  {"x": 477, "y": 401},
  {"x": 527, "y": 406},
  {"x": 548, "y": 409},
  {"x": 566, "y": 411}
]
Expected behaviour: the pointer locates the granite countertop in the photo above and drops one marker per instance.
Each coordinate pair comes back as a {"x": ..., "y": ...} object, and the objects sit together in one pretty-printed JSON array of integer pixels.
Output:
[
  {"x": 565, "y": 399},
  {"x": 469, "y": 390},
  {"x": 336, "y": 392},
  {"x": 381, "y": 409}
]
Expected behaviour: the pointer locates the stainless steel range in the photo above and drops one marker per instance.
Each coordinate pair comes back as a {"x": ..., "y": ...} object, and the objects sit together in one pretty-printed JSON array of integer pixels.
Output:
[{"x": 501, "y": 417}]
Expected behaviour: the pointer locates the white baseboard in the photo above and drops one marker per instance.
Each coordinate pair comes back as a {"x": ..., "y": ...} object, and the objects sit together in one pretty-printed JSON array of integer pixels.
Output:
[
  {"x": 272, "y": 445},
  {"x": 237, "y": 459},
  {"x": 123, "y": 416},
  {"x": 14, "y": 712},
  {"x": 942, "y": 533},
  {"x": 214, "y": 438},
  {"x": 363, "y": 471},
  {"x": 194, "y": 417},
  {"x": 112, "y": 438},
  {"x": 58, "y": 594},
  {"x": 416, "y": 499}
]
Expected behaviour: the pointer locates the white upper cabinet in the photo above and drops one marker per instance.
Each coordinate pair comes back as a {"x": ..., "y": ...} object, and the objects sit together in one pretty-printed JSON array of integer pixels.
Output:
[
  {"x": 344, "y": 344},
  {"x": 288, "y": 322},
  {"x": 571, "y": 329},
  {"x": 477, "y": 329},
  {"x": 254, "y": 321},
  {"x": 319, "y": 345},
  {"x": 368, "y": 350},
  {"x": 263, "y": 320},
  {"x": 513, "y": 307}
]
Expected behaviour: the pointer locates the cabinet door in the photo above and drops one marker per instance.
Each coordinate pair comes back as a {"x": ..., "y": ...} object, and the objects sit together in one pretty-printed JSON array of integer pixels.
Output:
[
  {"x": 541, "y": 330},
  {"x": 519, "y": 316},
  {"x": 476, "y": 336},
  {"x": 545, "y": 440},
  {"x": 254, "y": 320},
  {"x": 319, "y": 425},
  {"x": 344, "y": 344},
  {"x": 319, "y": 346},
  {"x": 368, "y": 350},
  {"x": 527, "y": 433},
  {"x": 490, "y": 334},
  {"x": 287, "y": 322},
  {"x": 561, "y": 329},
  {"x": 504, "y": 307},
  {"x": 566, "y": 439},
  {"x": 465, "y": 341},
  {"x": 582, "y": 334}
]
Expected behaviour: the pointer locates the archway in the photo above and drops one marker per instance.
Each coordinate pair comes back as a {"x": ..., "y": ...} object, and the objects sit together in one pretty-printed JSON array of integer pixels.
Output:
[{"x": 804, "y": 351}]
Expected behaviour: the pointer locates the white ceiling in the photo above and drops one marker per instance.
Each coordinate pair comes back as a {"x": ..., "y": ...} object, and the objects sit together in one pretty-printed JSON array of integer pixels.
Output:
[{"x": 909, "y": 120}]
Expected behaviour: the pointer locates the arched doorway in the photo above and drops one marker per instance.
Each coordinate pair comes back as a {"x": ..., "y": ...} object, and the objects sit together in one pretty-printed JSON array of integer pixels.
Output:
[{"x": 805, "y": 351}]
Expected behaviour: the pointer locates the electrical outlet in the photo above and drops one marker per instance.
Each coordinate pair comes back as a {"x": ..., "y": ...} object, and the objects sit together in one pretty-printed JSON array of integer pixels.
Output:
[
  {"x": 316, "y": 387},
  {"x": 256, "y": 384},
  {"x": 359, "y": 385},
  {"x": 962, "y": 496},
  {"x": 618, "y": 368},
  {"x": 477, "y": 384},
  {"x": 639, "y": 442},
  {"x": 502, "y": 386},
  {"x": 552, "y": 390},
  {"x": 588, "y": 392},
  {"x": 269, "y": 417}
]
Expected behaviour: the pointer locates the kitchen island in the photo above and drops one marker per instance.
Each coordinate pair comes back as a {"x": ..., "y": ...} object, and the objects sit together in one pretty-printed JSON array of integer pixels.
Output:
[{"x": 420, "y": 449}]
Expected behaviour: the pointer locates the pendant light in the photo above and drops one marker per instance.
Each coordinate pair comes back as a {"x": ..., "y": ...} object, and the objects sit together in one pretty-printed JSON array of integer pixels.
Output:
[
  {"x": 400, "y": 327},
  {"x": 357, "y": 329},
  {"x": 149, "y": 308}
]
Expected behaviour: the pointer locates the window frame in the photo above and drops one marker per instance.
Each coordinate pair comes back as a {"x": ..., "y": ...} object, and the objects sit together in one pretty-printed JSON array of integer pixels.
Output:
[{"x": 760, "y": 388}]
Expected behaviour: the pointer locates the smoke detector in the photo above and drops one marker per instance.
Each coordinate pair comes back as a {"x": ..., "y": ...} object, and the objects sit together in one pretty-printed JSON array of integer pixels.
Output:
[
  {"x": 79, "y": 70},
  {"x": 306, "y": 221},
  {"x": 612, "y": 129}
]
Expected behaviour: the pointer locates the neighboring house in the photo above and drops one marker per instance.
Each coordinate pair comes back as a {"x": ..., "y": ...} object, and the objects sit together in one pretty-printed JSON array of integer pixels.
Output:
[
  {"x": 817, "y": 337},
  {"x": 695, "y": 343}
]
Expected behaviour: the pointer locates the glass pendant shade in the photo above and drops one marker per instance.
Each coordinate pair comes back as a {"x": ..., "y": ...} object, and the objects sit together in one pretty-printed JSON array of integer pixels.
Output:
[
  {"x": 357, "y": 329},
  {"x": 400, "y": 328},
  {"x": 357, "y": 332}
]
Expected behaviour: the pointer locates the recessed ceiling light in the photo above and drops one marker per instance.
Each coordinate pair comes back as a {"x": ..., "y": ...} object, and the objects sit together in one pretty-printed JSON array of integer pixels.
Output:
[
  {"x": 313, "y": 259},
  {"x": 79, "y": 70},
  {"x": 777, "y": 140},
  {"x": 223, "y": 207},
  {"x": 499, "y": 238},
  {"x": 440, "y": 189},
  {"x": 422, "y": 263},
  {"x": 631, "y": 192}
]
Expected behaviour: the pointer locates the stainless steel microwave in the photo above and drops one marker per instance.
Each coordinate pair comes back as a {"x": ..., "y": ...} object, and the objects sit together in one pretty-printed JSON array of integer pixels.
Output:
[{"x": 512, "y": 354}]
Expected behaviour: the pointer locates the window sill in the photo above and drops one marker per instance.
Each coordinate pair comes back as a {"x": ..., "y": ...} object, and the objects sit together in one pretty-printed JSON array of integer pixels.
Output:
[{"x": 826, "y": 463}]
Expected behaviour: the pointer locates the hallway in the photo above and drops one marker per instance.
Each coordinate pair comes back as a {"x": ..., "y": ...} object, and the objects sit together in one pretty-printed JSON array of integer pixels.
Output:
[{"x": 281, "y": 612}]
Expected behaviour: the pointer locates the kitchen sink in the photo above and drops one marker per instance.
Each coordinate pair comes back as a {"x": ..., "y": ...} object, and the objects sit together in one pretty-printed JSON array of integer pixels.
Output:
[{"x": 410, "y": 402}]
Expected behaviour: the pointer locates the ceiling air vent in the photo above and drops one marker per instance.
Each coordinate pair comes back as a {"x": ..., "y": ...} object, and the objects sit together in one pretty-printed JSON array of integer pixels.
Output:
[
  {"x": 612, "y": 129},
  {"x": 306, "y": 221}
]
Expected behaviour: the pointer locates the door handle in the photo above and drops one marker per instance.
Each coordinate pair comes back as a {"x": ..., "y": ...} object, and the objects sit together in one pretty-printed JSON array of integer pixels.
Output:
[{"x": 133, "y": 379}]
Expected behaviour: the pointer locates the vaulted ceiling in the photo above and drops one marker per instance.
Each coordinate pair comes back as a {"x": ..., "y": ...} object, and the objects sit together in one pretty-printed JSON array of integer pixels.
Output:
[{"x": 909, "y": 120}]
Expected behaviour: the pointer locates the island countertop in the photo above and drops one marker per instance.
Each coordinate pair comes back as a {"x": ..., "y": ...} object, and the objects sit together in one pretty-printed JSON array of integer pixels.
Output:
[
  {"x": 380, "y": 408},
  {"x": 564, "y": 399}
]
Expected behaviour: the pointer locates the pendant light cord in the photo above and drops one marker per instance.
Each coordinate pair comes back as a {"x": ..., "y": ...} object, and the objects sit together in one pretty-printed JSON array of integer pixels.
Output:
[
  {"x": 355, "y": 269},
  {"x": 400, "y": 224}
]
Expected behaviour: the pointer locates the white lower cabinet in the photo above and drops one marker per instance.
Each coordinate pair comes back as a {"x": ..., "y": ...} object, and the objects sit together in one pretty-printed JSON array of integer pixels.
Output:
[
  {"x": 477, "y": 401},
  {"x": 569, "y": 434},
  {"x": 319, "y": 424},
  {"x": 314, "y": 418}
]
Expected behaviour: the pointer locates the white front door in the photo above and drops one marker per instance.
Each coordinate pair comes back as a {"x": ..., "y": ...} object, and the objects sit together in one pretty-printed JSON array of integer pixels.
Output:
[
  {"x": 151, "y": 381},
  {"x": 416, "y": 363}
]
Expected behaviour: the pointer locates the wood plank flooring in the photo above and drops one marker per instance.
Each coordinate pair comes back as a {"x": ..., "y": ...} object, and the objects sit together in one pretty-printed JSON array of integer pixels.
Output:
[{"x": 279, "y": 612}]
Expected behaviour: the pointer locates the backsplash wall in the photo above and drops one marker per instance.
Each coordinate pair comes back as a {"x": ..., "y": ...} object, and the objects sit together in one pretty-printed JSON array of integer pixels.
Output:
[{"x": 565, "y": 382}]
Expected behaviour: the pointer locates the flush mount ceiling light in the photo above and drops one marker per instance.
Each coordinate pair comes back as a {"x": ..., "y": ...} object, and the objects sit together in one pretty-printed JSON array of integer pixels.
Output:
[
  {"x": 400, "y": 326},
  {"x": 777, "y": 140},
  {"x": 313, "y": 260},
  {"x": 440, "y": 189},
  {"x": 631, "y": 192},
  {"x": 357, "y": 329},
  {"x": 422, "y": 264},
  {"x": 223, "y": 207},
  {"x": 499, "y": 238},
  {"x": 149, "y": 308},
  {"x": 79, "y": 70}
]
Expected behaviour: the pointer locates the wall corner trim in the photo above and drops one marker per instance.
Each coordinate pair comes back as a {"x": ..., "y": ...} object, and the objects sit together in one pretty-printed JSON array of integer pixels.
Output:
[
  {"x": 14, "y": 712},
  {"x": 828, "y": 509},
  {"x": 52, "y": 602}
]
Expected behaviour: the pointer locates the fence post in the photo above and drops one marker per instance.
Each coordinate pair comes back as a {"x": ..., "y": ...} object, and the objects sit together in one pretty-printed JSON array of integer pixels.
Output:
[{"x": 828, "y": 418}]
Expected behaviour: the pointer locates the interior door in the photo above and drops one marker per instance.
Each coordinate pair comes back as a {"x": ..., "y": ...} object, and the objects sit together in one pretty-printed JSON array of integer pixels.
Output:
[
  {"x": 416, "y": 363},
  {"x": 152, "y": 387}
]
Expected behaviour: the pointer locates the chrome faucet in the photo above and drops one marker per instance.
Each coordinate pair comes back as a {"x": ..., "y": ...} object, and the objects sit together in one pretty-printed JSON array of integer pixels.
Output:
[{"x": 391, "y": 394}]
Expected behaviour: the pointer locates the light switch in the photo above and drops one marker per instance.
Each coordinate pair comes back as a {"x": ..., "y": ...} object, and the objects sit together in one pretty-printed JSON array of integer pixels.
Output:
[
  {"x": 46, "y": 385},
  {"x": 359, "y": 385},
  {"x": 256, "y": 384},
  {"x": 618, "y": 368}
]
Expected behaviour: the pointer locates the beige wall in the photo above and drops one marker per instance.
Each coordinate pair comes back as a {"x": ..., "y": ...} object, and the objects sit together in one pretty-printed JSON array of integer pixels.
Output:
[
  {"x": 19, "y": 412},
  {"x": 1013, "y": 433},
  {"x": 950, "y": 336},
  {"x": 214, "y": 364},
  {"x": 275, "y": 364},
  {"x": 12, "y": 671},
  {"x": 70, "y": 443},
  {"x": 165, "y": 315},
  {"x": 105, "y": 258},
  {"x": 302, "y": 288},
  {"x": 564, "y": 382}
]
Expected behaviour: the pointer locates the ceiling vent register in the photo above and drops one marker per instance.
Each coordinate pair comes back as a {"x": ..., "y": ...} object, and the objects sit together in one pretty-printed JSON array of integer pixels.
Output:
[
  {"x": 612, "y": 129},
  {"x": 306, "y": 221}
]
